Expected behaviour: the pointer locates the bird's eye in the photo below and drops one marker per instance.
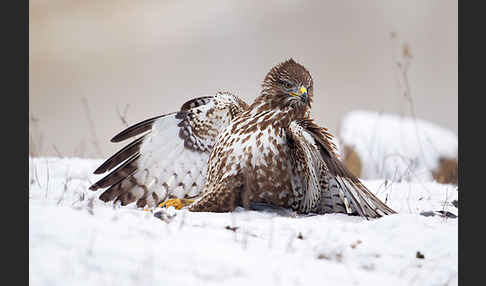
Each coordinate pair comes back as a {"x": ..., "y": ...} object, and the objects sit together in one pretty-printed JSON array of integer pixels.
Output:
[{"x": 286, "y": 84}]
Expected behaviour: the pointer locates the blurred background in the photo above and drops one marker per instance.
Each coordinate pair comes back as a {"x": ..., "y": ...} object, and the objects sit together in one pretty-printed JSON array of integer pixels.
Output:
[{"x": 96, "y": 66}]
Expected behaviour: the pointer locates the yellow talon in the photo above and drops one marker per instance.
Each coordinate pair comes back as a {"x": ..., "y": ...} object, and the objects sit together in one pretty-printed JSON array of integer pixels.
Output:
[{"x": 176, "y": 203}]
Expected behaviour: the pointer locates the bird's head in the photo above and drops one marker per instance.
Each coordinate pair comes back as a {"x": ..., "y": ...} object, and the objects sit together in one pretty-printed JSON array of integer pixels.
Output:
[{"x": 288, "y": 86}]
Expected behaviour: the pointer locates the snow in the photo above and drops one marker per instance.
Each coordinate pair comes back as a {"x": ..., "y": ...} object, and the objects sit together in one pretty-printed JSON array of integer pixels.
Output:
[
  {"x": 395, "y": 147},
  {"x": 76, "y": 239}
]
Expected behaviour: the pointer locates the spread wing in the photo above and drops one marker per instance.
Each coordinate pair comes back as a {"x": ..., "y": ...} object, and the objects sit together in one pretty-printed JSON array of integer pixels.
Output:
[
  {"x": 170, "y": 156},
  {"x": 324, "y": 182}
]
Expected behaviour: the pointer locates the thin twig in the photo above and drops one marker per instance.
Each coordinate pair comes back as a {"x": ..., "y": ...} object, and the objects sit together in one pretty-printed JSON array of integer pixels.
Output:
[
  {"x": 402, "y": 68},
  {"x": 79, "y": 151},
  {"x": 34, "y": 148},
  {"x": 47, "y": 184},
  {"x": 34, "y": 165},
  {"x": 408, "y": 95},
  {"x": 123, "y": 117},
  {"x": 57, "y": 151},
  {"x": 66, "y": 182},
  {"x": 95, "y": 140}
]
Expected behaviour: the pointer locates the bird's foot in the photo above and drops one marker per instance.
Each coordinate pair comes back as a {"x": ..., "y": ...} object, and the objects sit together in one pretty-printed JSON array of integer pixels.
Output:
[{"x": 176, "y": 203}]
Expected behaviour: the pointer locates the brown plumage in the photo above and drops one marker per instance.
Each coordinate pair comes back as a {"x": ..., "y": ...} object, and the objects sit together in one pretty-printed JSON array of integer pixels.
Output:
[{"x": 271, "y": 152}]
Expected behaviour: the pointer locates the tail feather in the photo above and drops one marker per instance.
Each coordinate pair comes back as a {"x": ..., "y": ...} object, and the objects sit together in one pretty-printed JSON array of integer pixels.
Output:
[
  {"x": 352, "y": 198},
  {"x": 341, "y": 195},
  {"x": 332, "y": 200},
  {"x": 341, "y": 190},
  {"x": 362, "y": 201}
]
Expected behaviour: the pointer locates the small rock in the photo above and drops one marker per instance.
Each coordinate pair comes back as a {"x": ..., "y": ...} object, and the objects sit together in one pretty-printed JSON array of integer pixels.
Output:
[
  {"x": 419, "y": 255},
  {"x": 356, "y": 243},
  {"x": 427, "y": 213},
  {"x": 232, "y": 228},
  {"x": 439, "y": 213},
  {"x": 334, "y": 255},
  {"x": 165, "y": 215},
  {"x": 368, "y": 267}
]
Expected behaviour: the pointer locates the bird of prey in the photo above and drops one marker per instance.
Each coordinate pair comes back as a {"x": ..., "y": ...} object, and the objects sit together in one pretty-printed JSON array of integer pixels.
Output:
[{"x": 218, "y": 153}]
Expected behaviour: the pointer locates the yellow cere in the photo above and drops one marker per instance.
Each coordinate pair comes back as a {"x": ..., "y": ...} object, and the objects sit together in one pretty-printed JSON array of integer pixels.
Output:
[{"x": 302, "y": 90}]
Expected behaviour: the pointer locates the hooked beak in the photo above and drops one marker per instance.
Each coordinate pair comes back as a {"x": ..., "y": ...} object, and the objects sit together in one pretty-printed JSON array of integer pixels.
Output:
[{"x": 302, "y": 93}]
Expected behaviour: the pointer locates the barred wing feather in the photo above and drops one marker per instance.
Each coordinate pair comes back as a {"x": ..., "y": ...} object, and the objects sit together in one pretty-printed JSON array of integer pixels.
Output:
[
  {"x": 170, "y": 156},
  {"x": 327, "y": 185}
]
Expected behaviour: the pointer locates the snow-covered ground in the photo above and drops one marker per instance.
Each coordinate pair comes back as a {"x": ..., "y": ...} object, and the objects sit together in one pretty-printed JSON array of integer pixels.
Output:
[
  {"x": 76, "y": 239},
  {"x": 396, "y": 147}
]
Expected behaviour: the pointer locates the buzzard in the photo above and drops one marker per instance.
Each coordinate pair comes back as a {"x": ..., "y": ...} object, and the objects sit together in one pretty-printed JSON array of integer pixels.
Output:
[{"x": 218, "y": 153}]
